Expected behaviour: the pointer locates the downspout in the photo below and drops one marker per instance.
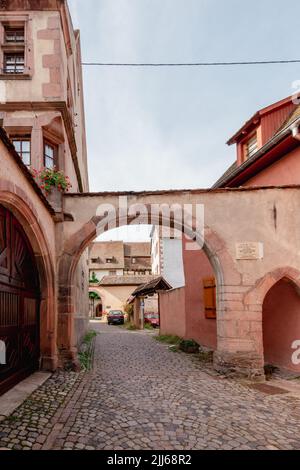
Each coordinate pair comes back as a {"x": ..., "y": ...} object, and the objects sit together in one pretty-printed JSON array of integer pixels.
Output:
[{"x": 295, "y": 130}]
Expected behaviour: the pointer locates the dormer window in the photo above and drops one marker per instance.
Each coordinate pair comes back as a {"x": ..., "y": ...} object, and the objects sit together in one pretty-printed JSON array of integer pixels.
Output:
[{"x": 251, "y": 147}]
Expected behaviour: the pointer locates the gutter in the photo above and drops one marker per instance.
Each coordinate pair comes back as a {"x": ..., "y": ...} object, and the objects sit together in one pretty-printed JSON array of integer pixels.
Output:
[{"x": 292, "y": 129}]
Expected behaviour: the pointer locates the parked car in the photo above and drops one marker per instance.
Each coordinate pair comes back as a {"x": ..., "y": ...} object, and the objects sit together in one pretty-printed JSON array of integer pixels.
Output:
[
  {"x": 152, "y": 319},
  {"x": 115, "y": 317}
]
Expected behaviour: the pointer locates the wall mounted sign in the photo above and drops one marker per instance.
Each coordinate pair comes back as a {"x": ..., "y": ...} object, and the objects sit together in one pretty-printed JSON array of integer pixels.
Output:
[{"x": 249, "y": 251}]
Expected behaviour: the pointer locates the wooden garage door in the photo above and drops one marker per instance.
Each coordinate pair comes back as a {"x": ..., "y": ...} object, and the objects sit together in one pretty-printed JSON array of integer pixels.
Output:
[{"x": 19, "y": 303}]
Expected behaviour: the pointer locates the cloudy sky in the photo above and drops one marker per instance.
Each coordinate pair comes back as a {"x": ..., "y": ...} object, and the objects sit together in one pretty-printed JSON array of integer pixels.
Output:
[{"x": 166, "y": 128}]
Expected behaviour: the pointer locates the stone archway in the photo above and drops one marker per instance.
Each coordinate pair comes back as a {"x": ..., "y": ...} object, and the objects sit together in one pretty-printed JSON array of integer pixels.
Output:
[
  {"x": 213, "y": 247},
  {"x": 281, "y": 325},
  {"x": 258, "y": 301},
  {"x": 242, "y": 245},
  {"x": 17, "y": 202}
]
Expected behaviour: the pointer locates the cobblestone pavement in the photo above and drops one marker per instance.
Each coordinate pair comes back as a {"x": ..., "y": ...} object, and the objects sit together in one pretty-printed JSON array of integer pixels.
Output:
[{"x": 141, "y": 395}]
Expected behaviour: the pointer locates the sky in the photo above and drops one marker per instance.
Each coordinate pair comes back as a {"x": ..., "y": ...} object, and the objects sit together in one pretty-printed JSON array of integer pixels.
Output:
[{"x": 166, "y": 128}]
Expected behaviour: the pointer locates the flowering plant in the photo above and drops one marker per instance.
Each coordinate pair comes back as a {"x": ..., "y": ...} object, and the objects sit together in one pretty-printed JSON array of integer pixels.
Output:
[{"x": 51, "y": 178}]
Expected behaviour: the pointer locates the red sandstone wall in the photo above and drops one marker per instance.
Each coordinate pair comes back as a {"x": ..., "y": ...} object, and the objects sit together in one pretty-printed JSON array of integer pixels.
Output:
[
  {"x": 197, "y": 267},
  {"x": 172, "y": 317},
  {"x": 281, "y": 324}
]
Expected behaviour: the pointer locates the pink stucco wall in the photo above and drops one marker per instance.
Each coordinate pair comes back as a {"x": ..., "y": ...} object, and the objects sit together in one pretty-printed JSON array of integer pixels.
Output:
[
  {"x": 183, "y": 310},
  {"x": 284, "y": 171},
  {"x": 197, "y": 267},
  {"x": 281, "y": 324},
  {"x": 172, "y": 317}
]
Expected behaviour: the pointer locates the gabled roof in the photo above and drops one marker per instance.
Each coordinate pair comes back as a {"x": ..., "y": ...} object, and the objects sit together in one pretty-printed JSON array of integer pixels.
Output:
[
  {"x": 273, "y": 145},
  {"x": 293, "y": 117},
  {"x": 157, "y": 284},
  {"x": 226, "y": 175},
  {"x": 125, "y": 280},
  {"x": 137, "y": 249},
  {"x": 103, "y": 251},
  {"x": 255, "y": 119}
]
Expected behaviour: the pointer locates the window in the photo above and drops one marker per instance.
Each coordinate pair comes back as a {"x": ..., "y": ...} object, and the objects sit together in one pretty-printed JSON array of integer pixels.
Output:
[
  {"x": 12, "y": 49},
  {"x": 50, "y": 156},
  {"x": 133, "y": 260},
  {"x": 109, "y": 260},
  {"x": 14, "y": 63},
  {"x": 210, "y": 298},
  {"x": 112, "y": 273},
  {"x": 14, "y": 35},
  {"x": 251, "y": 147},
  {"x": 23, "y": 147}
]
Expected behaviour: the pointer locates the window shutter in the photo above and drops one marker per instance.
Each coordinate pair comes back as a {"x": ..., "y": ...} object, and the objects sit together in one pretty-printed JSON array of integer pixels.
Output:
[{"x": 210, "y": 301}]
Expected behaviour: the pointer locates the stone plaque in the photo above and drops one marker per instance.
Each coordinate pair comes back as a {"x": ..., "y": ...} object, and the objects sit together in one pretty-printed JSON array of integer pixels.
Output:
[{"x": 249, "y": 250}]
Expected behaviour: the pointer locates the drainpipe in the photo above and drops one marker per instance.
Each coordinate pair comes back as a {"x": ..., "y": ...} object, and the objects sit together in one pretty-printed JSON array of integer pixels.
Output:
[{"x": 295, "y": 132}]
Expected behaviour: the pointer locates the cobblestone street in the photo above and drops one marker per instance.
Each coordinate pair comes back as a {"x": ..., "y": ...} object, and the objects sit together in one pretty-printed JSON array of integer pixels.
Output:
[{"x": 141, "y": 395}]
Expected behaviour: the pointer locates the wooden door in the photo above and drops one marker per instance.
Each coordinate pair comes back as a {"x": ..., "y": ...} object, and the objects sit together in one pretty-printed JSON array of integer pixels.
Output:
[
  {"x": 210, "y": 298},
  {"x": 19, "y": 303}
]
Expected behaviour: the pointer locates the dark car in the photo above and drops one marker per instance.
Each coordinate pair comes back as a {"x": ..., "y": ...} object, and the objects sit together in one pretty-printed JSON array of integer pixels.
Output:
[
  {"x": 152, "y": 319},
  {"x": 115, "y": 317}
]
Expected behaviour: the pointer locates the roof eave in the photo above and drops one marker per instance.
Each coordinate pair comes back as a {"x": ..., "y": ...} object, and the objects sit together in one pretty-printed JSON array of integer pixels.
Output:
[
  {"x": 256, "y": 117},
  {"x": 254, "y": 121},
  {"x": 263, "y": 151}
]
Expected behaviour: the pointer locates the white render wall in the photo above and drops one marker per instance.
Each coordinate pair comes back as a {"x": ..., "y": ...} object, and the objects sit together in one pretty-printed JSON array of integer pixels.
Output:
[
  {"x": 167, "y": 257},
  {"x": 155, "y": 252},
  {"x": 172, "y": 266}
]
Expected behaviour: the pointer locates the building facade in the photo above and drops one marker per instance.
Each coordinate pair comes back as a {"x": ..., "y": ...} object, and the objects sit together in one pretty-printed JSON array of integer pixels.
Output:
[
  {"x": 166, "y": 255},
  {"x": 114, "y": 292},
  {"x": 267, "y": 155},
  {"x": 117, "y": 258},
  {"x": 253, "y": 303},
  {"x": 42, "y": 114}
]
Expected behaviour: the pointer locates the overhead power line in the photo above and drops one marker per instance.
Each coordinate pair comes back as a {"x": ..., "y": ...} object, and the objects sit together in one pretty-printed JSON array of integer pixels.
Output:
[{"x": 190, "y": 64}]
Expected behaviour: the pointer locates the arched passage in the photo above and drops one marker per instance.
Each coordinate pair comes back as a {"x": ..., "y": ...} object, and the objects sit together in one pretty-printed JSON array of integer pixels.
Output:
[
  {"x": 281, "y": 325},
  {"x": 213, "y": 247},
  {"x": 272, "y": 305},
  {"x": 16, "y": 202},
  {"x": 96, "y": 307}
]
